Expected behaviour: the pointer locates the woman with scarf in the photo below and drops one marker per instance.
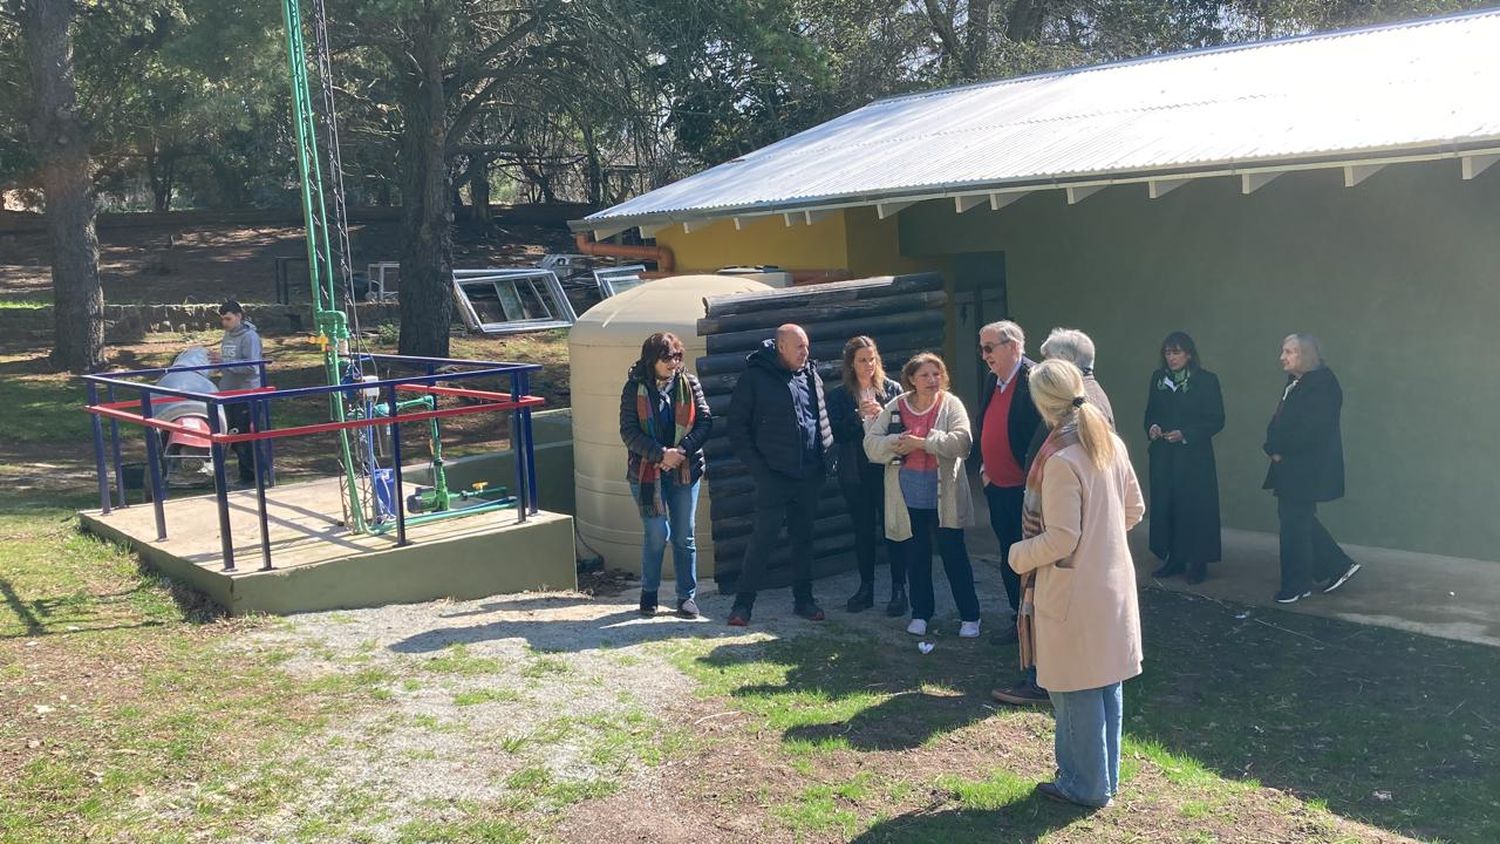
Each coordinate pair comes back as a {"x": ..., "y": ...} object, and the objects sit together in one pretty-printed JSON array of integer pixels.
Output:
[
  {"x": 1081, "y": 498},
  {"x": 854, "y": 402},
  {"x": 1184, "y": 410},
  {"x": 664, "y": 421}
]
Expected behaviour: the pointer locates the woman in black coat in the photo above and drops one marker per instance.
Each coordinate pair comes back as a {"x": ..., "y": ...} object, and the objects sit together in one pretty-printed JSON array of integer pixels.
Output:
[
  {"x": 664, "y": 421},
  {"x": 1184, "y": 410},
  {"x": 1307, "y": 466},
  {"x": 864, "y": 390}
]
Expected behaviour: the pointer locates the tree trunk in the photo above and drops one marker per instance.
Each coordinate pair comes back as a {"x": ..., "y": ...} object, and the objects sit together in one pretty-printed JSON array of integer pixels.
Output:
[
  {"x": 160, "y": 171},
  {"x": 427, "y": 248},
  {"x": 479, "y": 192},
  {"x": 58, "y": 132},
  {"x": 593, "y": 169},
  {"x": 1024, "y": 23}
]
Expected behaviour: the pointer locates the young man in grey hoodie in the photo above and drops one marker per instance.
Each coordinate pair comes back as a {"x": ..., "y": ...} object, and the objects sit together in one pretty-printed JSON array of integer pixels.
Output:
[{"x": 241, "y": 343}]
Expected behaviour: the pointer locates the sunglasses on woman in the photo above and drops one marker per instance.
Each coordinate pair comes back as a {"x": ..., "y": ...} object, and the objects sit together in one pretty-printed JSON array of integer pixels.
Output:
[{"x": 675, "y": 357}]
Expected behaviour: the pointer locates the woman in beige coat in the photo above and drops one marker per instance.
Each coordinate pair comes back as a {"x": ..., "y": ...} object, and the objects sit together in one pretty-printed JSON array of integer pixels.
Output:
[
  {"x": 922, "y": 437},
  {"x": 1081, "y": 498}
]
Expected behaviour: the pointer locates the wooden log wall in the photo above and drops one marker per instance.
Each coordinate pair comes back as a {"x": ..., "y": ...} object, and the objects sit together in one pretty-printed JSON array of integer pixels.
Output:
[{"x": 905, "y": 315}]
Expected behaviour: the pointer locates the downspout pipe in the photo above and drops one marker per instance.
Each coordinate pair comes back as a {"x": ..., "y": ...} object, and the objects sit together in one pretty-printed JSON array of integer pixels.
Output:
[{"x": 660, "y": 254}]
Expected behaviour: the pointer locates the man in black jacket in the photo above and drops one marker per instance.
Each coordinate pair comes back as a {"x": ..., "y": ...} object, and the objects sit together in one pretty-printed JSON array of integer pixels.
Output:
[
  {"x": 778, "y": 427},
  {"x": 1007, "y": 422}
]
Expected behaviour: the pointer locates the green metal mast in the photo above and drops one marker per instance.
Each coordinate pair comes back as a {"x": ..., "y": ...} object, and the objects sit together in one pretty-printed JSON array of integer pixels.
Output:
[{"x": 331, "y": 322}]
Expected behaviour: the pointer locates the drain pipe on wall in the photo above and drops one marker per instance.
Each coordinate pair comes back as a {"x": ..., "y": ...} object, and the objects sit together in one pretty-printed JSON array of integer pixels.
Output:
[{"x": 660, "y": 254}]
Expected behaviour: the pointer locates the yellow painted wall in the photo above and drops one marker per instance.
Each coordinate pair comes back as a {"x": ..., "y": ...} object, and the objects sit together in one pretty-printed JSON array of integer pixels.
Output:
[
  {"x": 764, "y": 240},
  {"x": 875, "y": 246}
]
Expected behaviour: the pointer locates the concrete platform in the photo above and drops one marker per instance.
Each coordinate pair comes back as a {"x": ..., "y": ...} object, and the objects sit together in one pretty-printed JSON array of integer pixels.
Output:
[
  {"x": 319, "y": 565},
  {"x": 1449, "y": 597}
]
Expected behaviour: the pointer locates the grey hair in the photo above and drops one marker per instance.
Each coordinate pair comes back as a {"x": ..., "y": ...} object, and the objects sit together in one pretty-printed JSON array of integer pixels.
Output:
[
  {"x": 1309, "y": 349},
  {"x": 1007, "y": 330},
  {"x": 1071, "y": 345}
]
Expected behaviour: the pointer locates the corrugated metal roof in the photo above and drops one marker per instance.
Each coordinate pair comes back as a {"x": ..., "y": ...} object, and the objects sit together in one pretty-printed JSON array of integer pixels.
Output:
[{"x": 1421, "y": 86}]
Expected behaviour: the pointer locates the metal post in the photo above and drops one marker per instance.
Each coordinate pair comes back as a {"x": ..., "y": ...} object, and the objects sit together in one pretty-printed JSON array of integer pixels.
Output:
[
  {"x": 103, "y": 473},
  {"x": 260, "y": 420},
  {"x": 530, "y": 445},
  {"x": 221, "y": 487},
  {"x": 260, "y": 489},
  {"x": 153, "y": 469},
  {"x": 270, "y": 445},
  {"x": 518, "y": 453},
  {"x": 398, "y": 494},
  {"x": 114, "y": 447}
]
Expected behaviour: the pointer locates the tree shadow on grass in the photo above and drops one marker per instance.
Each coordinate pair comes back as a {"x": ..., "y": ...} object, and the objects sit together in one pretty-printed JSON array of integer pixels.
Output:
[
  {"x": 1397, "y": 730},
  {"x": 856, "y": 690},
  {"x": 1026, "y": 820}
]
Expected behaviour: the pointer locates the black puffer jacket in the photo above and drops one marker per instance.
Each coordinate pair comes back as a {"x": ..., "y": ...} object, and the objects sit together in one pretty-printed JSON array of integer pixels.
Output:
[
  {"x": 640, "y": 445},
  {"x": 763, "y": 423},
  {"x": 1305, "y": 432},
  {"x": 849, "y": 431}
]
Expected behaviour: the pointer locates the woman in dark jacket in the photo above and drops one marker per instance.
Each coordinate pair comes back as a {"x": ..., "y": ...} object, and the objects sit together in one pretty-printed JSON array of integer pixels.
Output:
[
  {"x": 664, "y": 421},
  {"x": 858, "y": 399},
  {"x": 1307, "y": 466},
  {"x": 1184, "y": 410}
]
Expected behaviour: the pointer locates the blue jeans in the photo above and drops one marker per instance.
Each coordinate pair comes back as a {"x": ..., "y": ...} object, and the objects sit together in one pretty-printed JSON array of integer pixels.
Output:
[
  {"x": 677, "y": 526},
  {"x": 1088, "y": 742}
]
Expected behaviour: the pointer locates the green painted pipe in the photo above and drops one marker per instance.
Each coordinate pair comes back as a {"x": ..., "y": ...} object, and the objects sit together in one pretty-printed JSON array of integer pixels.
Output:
[{"x": 387, "y": 526}]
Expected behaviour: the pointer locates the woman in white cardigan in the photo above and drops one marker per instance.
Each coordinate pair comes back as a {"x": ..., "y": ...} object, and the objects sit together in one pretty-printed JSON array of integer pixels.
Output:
[
  {"x": 922, "y": 436},
  {"x": 1081, "y": 498}
]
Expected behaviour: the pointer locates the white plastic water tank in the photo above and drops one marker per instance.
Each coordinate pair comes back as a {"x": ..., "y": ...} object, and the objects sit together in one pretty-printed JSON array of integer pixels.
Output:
[{"x": 602, "y": 346}]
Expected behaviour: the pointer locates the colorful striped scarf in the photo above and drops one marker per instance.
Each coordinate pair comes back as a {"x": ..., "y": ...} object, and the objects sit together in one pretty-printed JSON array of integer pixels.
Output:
[
  {"x": 648, "y": 474},
  {"x": 1032, "y": 525}
]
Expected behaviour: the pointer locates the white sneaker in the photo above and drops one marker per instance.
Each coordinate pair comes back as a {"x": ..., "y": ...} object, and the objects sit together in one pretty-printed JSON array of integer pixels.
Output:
[
  {"x": 968, "y": 630},
  {"x": 918, "y": 627}
]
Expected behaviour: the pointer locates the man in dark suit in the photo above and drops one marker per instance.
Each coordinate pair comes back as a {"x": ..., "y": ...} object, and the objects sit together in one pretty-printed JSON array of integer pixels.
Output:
[{"x": 1007, "y": 422}]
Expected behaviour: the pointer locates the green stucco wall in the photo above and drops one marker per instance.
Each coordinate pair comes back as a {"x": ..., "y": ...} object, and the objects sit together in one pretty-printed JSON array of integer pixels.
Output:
[{"x": 1396, "y": 275}]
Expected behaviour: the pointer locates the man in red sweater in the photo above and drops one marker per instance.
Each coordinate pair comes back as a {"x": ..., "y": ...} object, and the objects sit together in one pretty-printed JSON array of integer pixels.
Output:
[{"x": 1007, "y": 422}]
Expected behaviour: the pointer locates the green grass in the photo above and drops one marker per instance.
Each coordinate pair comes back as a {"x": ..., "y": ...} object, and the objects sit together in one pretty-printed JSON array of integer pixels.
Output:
[
  {"x": 538, "y": 788},
  {"x": 146, "y": 698},
  {"x": 472, "y": 831},
  {"x": 997, "y": 791},
  {"x": 1328, "y": 712},
  {"x": 456, "y": 659},
  {"x": 7, "y": 303},
  {"x": 44, "y": 408},
  {"x": 477, "y": 697},
  {"x": 545, "y": 666}
]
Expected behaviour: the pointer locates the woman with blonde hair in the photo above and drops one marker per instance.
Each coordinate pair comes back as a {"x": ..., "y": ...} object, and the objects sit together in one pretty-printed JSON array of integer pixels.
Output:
[
  {"x": 922, "y": 438},
  {"x": 1081, "y": 498}
]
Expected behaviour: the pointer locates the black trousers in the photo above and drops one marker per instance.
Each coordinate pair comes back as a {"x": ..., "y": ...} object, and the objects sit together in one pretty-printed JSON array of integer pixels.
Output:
[
  {"x": 955, "y": 554},
  {"x": 780, "y": 501},
  {"x": 1308, "y": 552},
  {"x": 238, "y": 417},
  {"x": 1005, "y": 519},
  {"x": 866, "y": 501}
]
